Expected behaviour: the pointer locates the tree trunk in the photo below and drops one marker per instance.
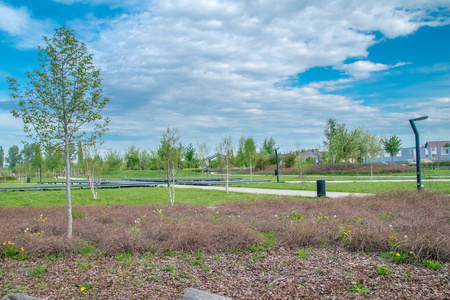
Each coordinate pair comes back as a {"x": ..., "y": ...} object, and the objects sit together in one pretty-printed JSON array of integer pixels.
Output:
[
  {"x": 226, "y": 186},
  {"x": 371, "y": 171},
  {"x": 69, "y": 203},
  {"x": 251, "y": 173}
]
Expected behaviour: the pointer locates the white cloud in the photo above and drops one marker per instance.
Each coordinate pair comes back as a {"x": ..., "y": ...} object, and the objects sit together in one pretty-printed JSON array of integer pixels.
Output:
[
  {"x": 211, "y": 67},
  {"x": 19, "y": 23}
]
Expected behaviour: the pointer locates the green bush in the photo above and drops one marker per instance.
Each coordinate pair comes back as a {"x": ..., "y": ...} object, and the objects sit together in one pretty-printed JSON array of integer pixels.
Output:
[{"x": 198, "y": 170}]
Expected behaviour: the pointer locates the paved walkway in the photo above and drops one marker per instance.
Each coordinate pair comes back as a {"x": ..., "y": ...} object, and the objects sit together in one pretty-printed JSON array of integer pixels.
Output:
[
  {"x": 364, "y": 181},
  {"x": 271, "y": 191}
]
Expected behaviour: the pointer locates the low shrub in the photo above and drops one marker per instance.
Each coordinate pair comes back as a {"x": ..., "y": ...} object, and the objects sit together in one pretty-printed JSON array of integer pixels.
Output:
[{"x": 417, "y": 227}]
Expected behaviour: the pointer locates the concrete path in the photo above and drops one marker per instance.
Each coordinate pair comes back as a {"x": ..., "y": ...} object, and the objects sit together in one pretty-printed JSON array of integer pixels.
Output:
[
  {"x": 365, "y": 181},
  {"x": 271, "y": 191}
]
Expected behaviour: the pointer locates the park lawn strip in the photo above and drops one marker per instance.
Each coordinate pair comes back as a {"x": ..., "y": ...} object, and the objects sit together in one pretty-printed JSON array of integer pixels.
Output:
[
  {"x": 123, "y": 196},
  {"x": 353, "y": 187}
]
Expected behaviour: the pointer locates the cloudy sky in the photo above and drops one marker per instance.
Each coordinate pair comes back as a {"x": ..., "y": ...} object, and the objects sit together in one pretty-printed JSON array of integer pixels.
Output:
[{"x": 257, "y": 68}]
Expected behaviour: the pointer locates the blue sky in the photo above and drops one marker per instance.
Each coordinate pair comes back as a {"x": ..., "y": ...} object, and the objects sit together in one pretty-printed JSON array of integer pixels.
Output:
[{"x": 246, "y": 68}]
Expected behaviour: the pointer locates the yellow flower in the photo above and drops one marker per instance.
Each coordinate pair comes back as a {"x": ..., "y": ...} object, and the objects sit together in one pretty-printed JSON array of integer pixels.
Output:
[
  {"x": 22, "y": 249},
  {"x": 9, "y": 243},
  {"x": 82, "y": 288},
  {"x": 392, "y": 252},
  {"x": 398, "y": 254},
  {"x": 13, "y": 243},
  {"x": 411, "y": 252},
  {"x": 355, "y": 282}
]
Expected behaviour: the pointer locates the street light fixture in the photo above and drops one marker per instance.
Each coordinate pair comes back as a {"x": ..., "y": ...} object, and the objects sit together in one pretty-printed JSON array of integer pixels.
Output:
[
  {"x": 40, "y": 171},
  {"x": 416, "y": 134},
  {"x": 276, "y": 172}
]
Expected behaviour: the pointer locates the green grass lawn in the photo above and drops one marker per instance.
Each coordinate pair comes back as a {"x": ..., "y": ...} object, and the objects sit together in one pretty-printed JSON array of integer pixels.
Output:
[
  {"x": 353, "y": 187},
  {"x": 159, "y": 195},
  {"x": 124, "y": 196}
]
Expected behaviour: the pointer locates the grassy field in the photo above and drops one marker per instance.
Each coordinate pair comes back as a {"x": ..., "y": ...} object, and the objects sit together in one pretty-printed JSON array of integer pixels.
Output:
[
  {"x": 144, "y": 196},
  {"x": 123, "y": 196}
]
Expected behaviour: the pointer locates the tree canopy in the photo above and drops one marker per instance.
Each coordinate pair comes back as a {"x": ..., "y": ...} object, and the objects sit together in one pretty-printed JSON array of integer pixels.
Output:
[{"x": 392, "y": 145}]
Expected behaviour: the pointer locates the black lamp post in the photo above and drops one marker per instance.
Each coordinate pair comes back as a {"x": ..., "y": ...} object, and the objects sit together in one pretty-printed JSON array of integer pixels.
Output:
[
  {"x": 416, "y": 134},
  {"x": 277, "y": 172}
]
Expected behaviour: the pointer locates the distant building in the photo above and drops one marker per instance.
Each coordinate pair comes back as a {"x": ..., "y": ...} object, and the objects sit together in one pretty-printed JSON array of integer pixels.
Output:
[
  {"x": 314, "y": 153},
  {"x": 437, "y": 151},
  {"x": 431, "y": 152}
]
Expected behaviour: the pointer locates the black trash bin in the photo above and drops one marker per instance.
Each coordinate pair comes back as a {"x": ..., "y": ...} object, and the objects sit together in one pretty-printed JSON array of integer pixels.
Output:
[
  {"x": 28, "y": 179},
  {"x": 321, "y": 189}
]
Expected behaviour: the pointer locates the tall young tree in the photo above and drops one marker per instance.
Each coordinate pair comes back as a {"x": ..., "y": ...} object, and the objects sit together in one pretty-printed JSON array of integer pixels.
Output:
[
  {"x": 268, "y": 146},
  {"x": 340, "y": 142},
  {"x": 203, "y": 154},
  {"x": 2, "y": 157},
  {"x": 113, "y": 160},
  {"x": 37, "y": 156},
  {"x": 225, "y": 149},
  {"x": 392, "y": 145},
  {"x": 373, "y": 150},
  {"x": 14, "y": 156},
  {"x": 171, "y": 149},
  {"x": 61, "y": 99},
  {"x": 189, "y": 154},
  {"x": 132, "y": 157}
]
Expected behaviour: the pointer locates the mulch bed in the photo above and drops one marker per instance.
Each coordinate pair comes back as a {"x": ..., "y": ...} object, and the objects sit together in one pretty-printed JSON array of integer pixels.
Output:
[{"x": 327, "y": 273}]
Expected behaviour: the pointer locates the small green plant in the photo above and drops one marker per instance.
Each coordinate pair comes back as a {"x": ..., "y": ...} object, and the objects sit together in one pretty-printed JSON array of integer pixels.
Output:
[
  {"x": 126, "y": 259},
  {"x": 168, "y": 268},
  {"x": 206, "y": 268},
  {"x": 400, "y": 257},
  {"x": 134, "y": 230},
  {"x": 432, "y": 264},
  {"x": 78, "y": 215},
  {"x": 261, "y": 256},
  {"x": 382, "y": 270},
  {"x": 169, "y": 252},
  {"x": 196, "y": 262},
  {"x": 84, "y": 266},
  {"x": 303, "y": 253},
  {"x": 122, "y": 256},
  {"x": 37, "y": 271},
  {"x": 53, "y": 257},
  {"x": 295, "y": 216},
  {"x": 270, "y": 239},
  {"x": 11, "y": 252},
  {"x": 198, "y": 253},
  {"x": 386, "y": 216},
  {"x": 325, "y": 243},
  {"x": 358, "y": 287},
  {"x": 87, "y": 248},
  {"x": 86, "y": 286},
  {"x": 256, "y": 248},
  {"x": 407, "y": 275}
]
